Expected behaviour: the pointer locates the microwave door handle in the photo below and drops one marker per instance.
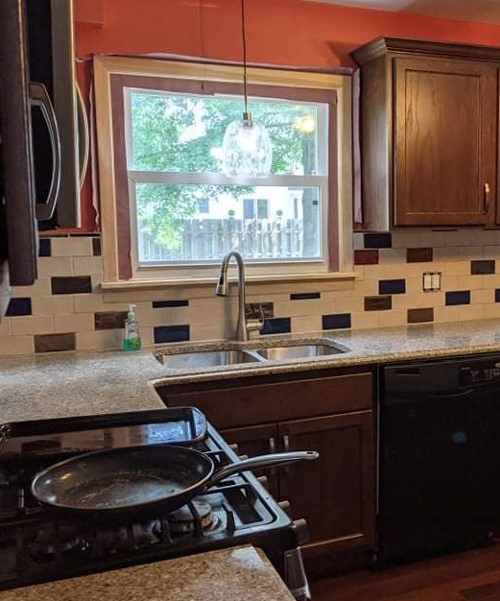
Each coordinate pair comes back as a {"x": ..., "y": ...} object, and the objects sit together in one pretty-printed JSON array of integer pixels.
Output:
[{"x": 39, "y": 97}]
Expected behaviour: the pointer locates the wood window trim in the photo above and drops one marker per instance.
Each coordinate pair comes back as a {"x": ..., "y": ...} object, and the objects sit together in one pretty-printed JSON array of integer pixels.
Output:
[{"x": 110, "y": 73}]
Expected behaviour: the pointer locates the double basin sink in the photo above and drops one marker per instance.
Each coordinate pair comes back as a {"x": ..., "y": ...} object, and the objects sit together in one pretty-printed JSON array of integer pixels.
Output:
[{"x": 241, "y": 354}]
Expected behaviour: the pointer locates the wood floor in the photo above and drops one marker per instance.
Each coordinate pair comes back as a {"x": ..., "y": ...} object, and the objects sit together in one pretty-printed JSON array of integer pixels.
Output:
[{"x": 470, "y": 576}]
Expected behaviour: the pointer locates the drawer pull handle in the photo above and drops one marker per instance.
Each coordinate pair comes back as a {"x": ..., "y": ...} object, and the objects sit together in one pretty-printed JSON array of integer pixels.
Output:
[{"x": 486, "y": 198}]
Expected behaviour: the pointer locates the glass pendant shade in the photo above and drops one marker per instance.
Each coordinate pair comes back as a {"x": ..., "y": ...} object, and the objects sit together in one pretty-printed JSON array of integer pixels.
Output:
[{"x": 246, "y": 149}]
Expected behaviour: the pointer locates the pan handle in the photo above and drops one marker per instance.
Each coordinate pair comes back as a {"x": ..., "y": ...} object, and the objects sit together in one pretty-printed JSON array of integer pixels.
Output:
[{"x": 259, "y": 462}]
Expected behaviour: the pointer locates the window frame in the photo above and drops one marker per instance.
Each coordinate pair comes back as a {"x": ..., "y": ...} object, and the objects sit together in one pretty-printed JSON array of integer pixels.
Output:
[{"x": 111, "y": 75}]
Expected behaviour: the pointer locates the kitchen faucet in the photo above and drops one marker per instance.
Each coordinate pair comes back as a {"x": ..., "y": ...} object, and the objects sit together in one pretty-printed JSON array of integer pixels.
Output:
[{"x": 222, "y": 289}]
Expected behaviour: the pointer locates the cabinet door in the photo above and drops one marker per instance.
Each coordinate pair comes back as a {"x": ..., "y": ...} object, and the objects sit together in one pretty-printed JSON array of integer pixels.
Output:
[
  {"x": 336, "y": 492},
  {"x": 445, "y": 142},
  {"x": 257, "y": 440}
]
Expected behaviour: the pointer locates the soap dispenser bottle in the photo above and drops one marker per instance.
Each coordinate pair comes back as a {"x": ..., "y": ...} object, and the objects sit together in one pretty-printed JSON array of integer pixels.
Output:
[{"x": 132, "y": 340}]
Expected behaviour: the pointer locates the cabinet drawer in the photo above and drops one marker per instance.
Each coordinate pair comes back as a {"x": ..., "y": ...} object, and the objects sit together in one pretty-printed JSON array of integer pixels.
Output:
[{"x": 275, "y": 401}]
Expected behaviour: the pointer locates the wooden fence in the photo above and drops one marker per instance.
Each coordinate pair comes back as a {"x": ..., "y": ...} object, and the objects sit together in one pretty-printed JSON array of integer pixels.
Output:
[{"x": 207, "y": 239}]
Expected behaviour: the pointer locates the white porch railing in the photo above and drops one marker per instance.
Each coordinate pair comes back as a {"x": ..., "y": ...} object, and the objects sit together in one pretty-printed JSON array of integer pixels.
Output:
[{"x": 206, "y": 239}]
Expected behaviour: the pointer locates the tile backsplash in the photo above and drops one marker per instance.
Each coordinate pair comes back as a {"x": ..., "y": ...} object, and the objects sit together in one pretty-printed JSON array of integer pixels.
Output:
[{"x": 66, "y": 308}]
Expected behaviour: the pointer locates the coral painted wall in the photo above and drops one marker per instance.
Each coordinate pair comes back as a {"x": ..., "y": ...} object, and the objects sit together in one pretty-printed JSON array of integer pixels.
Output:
[{"x": 280, "y": 32}]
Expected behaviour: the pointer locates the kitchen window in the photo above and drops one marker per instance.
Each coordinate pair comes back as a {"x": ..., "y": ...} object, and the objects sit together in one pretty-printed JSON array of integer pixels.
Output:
[{"x": 168, "y": 210}]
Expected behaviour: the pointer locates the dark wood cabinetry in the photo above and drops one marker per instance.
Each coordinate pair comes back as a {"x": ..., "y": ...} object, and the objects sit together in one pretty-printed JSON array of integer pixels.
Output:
[
  {"x": 429, "y": 131},
  {"x": 326, "y": 412}
]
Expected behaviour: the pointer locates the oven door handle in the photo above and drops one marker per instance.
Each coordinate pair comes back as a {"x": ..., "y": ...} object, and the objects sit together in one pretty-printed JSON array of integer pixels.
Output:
[{"x": 39, "y": 97}]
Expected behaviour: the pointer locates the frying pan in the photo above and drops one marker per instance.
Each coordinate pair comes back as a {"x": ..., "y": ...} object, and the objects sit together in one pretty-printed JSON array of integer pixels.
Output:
[{"x": 137, "y": 481}]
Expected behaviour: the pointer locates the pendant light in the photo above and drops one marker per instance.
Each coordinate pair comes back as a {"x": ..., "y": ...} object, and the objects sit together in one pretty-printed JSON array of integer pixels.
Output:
[{"x": 246, "y": 147}]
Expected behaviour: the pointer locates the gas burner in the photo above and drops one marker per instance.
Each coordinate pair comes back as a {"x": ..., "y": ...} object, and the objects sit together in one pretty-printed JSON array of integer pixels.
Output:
[
  {"x": 185, "y": 519},
  {"x": 55, "y": 539}
]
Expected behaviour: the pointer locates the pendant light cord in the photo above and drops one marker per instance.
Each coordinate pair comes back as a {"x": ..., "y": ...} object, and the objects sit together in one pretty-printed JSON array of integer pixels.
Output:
[{"x": 244, "y": 37}]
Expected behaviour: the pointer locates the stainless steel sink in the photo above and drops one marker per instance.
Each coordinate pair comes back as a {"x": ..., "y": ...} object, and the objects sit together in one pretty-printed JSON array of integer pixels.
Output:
[
  {"x": 205, "y": 359},
  {"x": 300, "y": 351}
]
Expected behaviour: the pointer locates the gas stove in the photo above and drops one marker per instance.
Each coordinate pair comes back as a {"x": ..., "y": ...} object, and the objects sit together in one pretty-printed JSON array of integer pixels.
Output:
[{"x": 36, "y": 545}]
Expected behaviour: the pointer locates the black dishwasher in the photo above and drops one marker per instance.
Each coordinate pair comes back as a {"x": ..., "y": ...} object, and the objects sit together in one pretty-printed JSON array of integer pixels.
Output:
[{"x": 439, "y": 456}]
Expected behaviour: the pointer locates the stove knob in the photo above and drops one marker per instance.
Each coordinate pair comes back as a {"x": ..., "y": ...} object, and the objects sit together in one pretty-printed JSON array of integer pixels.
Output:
[
  {"x": 285, "y": 505},
  {"x": 242, "y": 457},
  {"x": 234, "y": 447},
  {"x": 301, "y": 530},
  {"x": 264, "y": 481}
]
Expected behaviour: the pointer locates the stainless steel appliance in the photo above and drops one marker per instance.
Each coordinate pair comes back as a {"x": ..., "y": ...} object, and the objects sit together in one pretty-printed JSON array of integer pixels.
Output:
[
  {"x": 439, "y": 456},
  {"x": 39, "y": 546}
]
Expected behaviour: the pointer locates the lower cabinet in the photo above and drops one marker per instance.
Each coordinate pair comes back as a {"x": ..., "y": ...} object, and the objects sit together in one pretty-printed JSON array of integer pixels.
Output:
[
  {"x": 325, "y": 411},
  {"x": 335, "y": 493}
]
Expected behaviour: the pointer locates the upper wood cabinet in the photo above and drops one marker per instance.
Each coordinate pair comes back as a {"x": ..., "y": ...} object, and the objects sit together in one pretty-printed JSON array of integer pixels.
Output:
[{"x": 428, "y": 133}]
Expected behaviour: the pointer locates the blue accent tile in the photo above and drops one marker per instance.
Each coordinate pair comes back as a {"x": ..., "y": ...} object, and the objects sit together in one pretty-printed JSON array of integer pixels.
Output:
[
  {"x": 44, "y": 247},
  {"x": 172, "y": 303},
  {"x": 277, "y": 325},
  {"x": 19, "y": 306},
  {"x": 392, "y": 286},
  {"x": 458, "y": 297},
  {"x": 171, "y": 334},
  {"x": 305, "y": 295},
  {"x": 383, "y": 240},
  {"x": 482, "y": 267},
  {"x": 336, "y": 321},
  {"x": 497, "y": 295}
]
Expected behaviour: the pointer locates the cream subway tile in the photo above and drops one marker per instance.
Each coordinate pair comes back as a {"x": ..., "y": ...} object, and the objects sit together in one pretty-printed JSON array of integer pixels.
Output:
[
  {"x": 470, "y": 312},
  {"x": 429, "y": 239},
  {"x": 52, "y": 305},
  {"x": 18, "y": 345},
  {"x": 489, "y": 280},
  {"x": 32, "y": 324},
  {"x": 102, "y": 339},
  {"x": 413, "y": 285},
  {"x": 417, "y": 300},
  {"x": 310, "y": 323},
  {"x": 358, "y": 240},
  {"x": 460, "y": 268},
  {"x": 369, "y": 319},
  {"x": 491, "y": 311},
  {"x": 219, "y": 309},
  {"x": 392, "y": 255},
  {"x": 147, "y": 337},
  {"x": 301, "y": 308},
  {"x": 472, "y": 252},
  {"x": 471, "y": 282},
  {"x": 41, "y": 287},
  {"x": 485, "y": 237},
  {"x": 492, "y": 252},
  {"x": 406, "y": 239},
  {"x": 88, "y": 303},
  {"x": 397, "y": 317},
  {"x": 365, "y": 288},
  {"x": 95, "y": 279},
  {"x": 447, "y": 253},
  {"x": 483, "y": 296},
  {"x": 354, "y": 304},
  {"x": 445, "y": 314},
  {"x": 5, "y": 327},
  {"x": 87, "y": 265},
  {"x": 168, "y": 316},
  {"x": 81, "y": 322},
  {"x": 55, "y": 266},
  {"x": 450, "y": 282},
  {"x": 268, "y": 298},
  {"x": 80, "y": 246},
  {"x": 360, "y": 272},
  {"x": 212, "y": 331},
  {"x": 456, "y": 238}
]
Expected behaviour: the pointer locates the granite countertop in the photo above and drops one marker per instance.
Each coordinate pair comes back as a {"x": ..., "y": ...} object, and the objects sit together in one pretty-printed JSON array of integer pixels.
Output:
[
  {"x": 84, "y": 383},
  {"x": 77, "y": 383},
  {"x": 240, "y": 573}
]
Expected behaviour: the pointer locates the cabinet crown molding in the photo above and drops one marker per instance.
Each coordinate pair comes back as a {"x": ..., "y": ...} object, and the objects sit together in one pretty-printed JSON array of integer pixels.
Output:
[{"x": 382, "y": 46}]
